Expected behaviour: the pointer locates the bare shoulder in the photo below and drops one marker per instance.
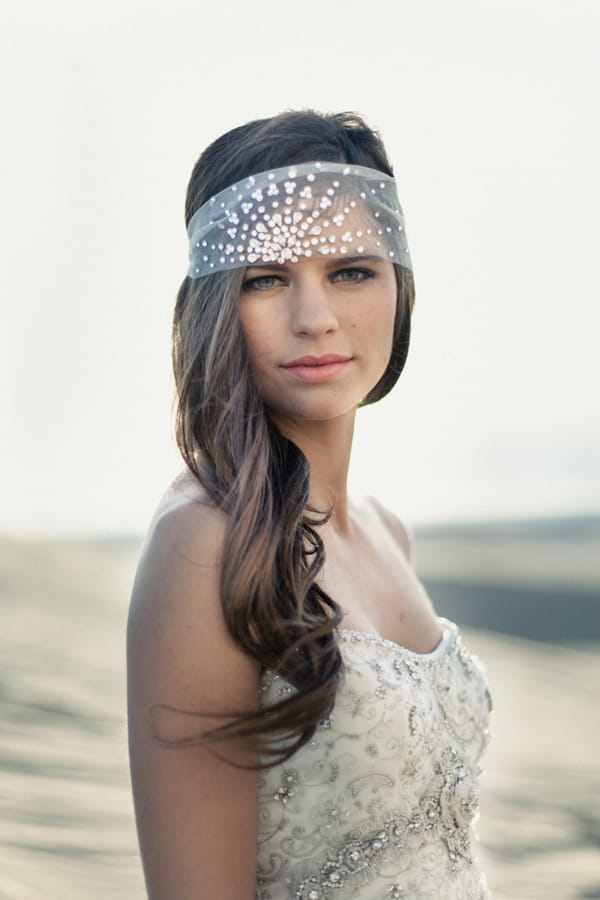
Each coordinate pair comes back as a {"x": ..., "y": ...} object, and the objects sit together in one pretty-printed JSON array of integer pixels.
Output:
[
  {"x": 175, "y": 613},
  {"x": 180, "y": 559},
  {"x": 393, "y": 525},
  {"x": 185, "y": 527}
]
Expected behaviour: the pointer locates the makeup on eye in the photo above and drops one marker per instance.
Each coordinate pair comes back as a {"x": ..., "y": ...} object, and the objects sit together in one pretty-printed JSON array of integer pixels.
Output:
[
  {"x": 348, "y": 273},
  {"x": 355, "y": 274},
  {"x": 262, "y": 282}
]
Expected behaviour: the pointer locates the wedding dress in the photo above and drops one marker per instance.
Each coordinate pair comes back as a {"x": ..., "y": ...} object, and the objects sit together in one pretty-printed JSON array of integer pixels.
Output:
[{"x": 381, "y": 803}]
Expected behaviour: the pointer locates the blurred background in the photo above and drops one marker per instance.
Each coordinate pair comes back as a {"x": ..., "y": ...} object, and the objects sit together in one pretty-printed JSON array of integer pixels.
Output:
[{"x": 489, "y": 446}]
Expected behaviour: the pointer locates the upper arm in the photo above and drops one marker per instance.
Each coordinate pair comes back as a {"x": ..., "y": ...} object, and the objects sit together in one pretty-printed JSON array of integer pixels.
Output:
[
  {"x": 397, "y": 528},
  {"x": 196, "y": 812}
]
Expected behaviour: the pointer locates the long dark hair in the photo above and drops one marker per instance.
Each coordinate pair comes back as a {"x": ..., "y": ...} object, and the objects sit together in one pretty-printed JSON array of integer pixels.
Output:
[{"x": 274, "y": 607}]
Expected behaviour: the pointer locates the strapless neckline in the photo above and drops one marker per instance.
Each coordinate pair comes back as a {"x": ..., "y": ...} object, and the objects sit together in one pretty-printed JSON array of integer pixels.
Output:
[{"x": 357, "y": 636}]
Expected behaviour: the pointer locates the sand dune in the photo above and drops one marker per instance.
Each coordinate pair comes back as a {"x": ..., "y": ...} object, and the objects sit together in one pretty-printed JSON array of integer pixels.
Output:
[{"x": 66, "y": 821}]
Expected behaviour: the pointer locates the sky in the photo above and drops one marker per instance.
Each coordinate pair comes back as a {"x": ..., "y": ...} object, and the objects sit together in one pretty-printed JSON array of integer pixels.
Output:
[{"x": 488, "y": 109}]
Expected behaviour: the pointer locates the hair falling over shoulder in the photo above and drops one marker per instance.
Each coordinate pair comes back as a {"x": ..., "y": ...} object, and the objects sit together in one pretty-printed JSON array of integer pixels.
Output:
[{"x": 273, "y": 605}]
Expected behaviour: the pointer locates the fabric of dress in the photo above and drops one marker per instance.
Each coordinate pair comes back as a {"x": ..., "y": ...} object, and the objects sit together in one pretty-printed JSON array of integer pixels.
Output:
[{"x": 381, "y": 804}]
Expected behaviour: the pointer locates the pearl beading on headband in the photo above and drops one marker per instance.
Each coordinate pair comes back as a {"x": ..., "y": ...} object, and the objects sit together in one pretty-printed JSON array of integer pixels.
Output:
[{"x": 297, "y": 212}]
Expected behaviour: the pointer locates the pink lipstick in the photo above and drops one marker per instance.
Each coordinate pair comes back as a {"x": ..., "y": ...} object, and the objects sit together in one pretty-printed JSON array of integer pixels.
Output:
[{"x": 317, "y": 368}]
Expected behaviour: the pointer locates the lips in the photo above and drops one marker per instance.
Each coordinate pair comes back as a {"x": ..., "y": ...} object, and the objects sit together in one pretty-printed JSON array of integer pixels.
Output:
[
  {"x": 316, "y": 360},
  {"x": 317, "y": 368}
]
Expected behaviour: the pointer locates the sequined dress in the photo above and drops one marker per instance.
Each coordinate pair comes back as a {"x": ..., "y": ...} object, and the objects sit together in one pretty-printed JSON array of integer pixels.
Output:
[{"x": 381, "y": 804}]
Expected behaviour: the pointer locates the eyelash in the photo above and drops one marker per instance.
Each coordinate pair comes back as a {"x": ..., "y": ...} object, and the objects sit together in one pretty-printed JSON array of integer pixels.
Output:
[
  {"x": 253, "y": 284},
  {"x": 359, "y": 270}
]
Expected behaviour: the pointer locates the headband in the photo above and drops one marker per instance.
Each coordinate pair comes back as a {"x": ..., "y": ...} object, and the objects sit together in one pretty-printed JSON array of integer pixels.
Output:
[{"x": 308, "y": 210}]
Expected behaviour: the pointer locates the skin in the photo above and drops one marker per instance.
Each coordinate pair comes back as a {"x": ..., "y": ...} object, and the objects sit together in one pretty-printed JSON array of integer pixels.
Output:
[
  {"x": 196, "y": 813},
  {"x": 347, "y": 307},
  {"x": 316, "y": 307}
]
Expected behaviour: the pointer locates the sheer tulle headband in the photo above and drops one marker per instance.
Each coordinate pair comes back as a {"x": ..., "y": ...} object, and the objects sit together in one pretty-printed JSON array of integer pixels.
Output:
[{"x": 297, "y": 212}]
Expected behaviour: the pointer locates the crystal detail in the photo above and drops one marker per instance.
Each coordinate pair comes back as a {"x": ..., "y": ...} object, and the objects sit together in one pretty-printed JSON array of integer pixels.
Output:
[
  {"x": 331, "y": 189},
  {"x": 400, "y": 820}
]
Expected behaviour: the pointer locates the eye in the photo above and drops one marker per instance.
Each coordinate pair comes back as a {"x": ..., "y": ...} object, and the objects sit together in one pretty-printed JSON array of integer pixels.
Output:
[
  {"x": 262, "y": 283},
  {"x": 353, "y": 274}
]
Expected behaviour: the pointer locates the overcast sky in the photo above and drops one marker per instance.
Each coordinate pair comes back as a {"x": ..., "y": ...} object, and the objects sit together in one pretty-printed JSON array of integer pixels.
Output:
[{"x": 489, "y": 113}]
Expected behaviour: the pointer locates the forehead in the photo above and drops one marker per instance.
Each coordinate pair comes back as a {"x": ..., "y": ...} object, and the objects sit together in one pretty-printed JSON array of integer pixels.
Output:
[
  {"x": 305, "y": 230},
  {"x": 300, "y": 212}
]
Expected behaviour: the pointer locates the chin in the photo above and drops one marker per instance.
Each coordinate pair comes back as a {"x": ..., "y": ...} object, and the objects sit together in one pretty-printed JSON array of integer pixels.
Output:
[{"x": 324, "y": 412}]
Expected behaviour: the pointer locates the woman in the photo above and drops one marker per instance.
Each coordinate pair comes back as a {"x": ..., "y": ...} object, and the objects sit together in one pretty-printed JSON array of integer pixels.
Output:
[{"x": 302, "y": 725}]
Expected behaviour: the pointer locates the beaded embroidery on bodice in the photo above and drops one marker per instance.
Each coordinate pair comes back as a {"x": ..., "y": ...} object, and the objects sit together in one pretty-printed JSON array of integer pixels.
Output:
[{"x": 381, "y": 803}]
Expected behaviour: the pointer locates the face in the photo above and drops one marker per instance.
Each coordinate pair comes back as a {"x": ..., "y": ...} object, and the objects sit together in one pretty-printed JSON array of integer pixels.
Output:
[{"x": 319, "y": 331}]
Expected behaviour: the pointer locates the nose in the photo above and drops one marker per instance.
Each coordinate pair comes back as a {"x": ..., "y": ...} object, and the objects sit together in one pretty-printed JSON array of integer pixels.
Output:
[{"x": 313, "y": 313}]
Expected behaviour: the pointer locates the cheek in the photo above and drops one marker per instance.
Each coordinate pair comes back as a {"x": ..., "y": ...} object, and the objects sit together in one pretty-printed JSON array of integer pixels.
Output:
[
  {"x": 383, "y": 332},
  {"x": 378, "y": 321},
  {"x": 261, "y": 331},
  {"x": 254, "y": 332}
]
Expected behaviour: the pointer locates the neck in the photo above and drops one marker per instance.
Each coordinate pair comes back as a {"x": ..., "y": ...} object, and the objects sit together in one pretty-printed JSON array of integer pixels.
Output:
[{"x": 326, "y": 446}]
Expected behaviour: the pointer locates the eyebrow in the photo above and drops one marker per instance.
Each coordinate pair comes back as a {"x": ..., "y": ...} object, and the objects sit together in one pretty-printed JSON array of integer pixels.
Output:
[{"x": 364, "y": 257}]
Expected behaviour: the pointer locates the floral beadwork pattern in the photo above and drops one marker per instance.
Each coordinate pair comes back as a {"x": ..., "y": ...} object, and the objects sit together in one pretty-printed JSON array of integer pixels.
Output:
[{"x": 381, "y": 803}]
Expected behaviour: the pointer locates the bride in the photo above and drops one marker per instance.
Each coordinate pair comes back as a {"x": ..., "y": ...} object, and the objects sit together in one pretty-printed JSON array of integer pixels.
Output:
[{"x": 302, "y": 724}]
